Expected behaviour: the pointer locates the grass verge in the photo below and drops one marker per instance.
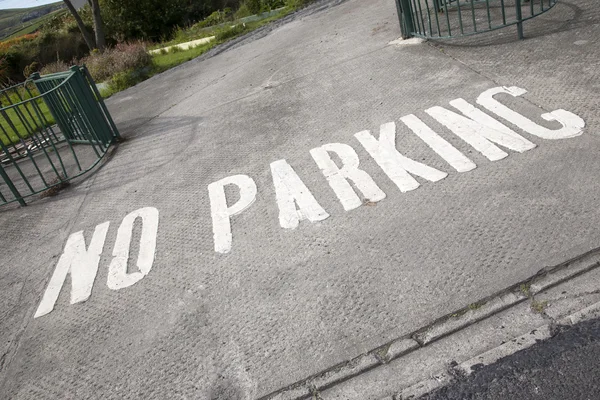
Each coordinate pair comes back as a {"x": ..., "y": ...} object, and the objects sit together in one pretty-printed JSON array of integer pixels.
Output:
[
  {"x": 166, "y": 60},
  {"x": 120, "y": 81},
  {"x": 20, "y": 122}
]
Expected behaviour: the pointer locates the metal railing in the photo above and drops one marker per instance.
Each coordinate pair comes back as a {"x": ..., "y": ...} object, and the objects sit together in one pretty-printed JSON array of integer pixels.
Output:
[
  {"x": 451, "y": 18},
  {"x": 53, "y": 128}
]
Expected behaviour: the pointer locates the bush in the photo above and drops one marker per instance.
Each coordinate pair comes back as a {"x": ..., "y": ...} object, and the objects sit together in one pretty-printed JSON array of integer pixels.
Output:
[
  {"x": 57, "y": 66},
  {"x": 180, "y": 35},
  {"x": 117, "y": 63},
  {"x": 242, "y": 12},
  {"x": 44, "y": 48},
  {"x": 230, "y": 32},
  {"x": 122, "y": 57},
  {"x": 31, "y": 68},
  {"x": 297, "y": 3},
  {"x": 272, "y": 4},
  {"x": 123, "y": 80},
  {"x": 142, "y": 19},
  {"x": 215, "y": 18},
  {"x": 254, "y": 6},
  {"x": 3, "y": 72}
]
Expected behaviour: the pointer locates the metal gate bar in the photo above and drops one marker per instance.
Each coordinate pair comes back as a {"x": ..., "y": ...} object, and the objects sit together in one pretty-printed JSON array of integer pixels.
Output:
[
  {"x": 443, "y": 19},
  {"x": 53, "y": 128}
]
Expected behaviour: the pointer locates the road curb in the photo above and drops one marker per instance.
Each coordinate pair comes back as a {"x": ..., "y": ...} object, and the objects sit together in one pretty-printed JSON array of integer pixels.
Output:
[{"x": 450, "y": 324}]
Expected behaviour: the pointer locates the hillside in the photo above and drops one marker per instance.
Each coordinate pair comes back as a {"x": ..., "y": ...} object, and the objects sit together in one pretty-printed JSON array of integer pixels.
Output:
[{"x": 25, "y": 20}]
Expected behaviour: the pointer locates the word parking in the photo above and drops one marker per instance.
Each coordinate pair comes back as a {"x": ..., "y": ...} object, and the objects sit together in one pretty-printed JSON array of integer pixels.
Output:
[
  {"x": 296, "y": 203},
  {"x": 475, "y": 127}
]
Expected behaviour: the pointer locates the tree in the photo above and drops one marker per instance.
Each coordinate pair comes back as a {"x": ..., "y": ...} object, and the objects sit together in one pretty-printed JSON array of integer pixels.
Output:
[
  {"x": 143, "y": 19},
  {"x": 89, "y": 41},
  {"x": 98, "y": 24},
  {"x": 254, "y": 6}
]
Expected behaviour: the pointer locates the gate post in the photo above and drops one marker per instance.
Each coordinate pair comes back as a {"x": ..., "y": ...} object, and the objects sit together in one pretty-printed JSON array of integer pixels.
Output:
[
  {"x": 405, "y": 16},
  {"x": 519, "y": 19}
]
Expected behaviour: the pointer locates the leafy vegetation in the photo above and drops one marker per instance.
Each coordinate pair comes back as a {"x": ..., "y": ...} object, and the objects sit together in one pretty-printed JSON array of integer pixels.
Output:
[
  {"x": 58, "y": 44},
  {"x": 130, "y": 33},
  {"x": 13, "y": 21},
  {"x": 18, "y": 122},
  {"x": 36, "y": 24}
]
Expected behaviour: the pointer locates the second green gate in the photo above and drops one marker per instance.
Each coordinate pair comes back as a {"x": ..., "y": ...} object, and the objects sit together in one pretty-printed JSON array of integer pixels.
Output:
[{"x": 450, "y": 18}]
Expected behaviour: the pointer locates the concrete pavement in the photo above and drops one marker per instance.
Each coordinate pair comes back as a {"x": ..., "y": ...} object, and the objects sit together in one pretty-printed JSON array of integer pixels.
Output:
[{"x": 227, "y": 291}]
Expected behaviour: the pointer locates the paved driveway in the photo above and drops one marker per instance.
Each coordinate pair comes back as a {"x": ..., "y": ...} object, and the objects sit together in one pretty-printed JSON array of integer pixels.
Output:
[{"x": 302, "y": 199}]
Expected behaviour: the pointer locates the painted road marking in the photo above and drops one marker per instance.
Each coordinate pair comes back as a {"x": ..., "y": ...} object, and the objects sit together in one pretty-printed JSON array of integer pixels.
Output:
[
  {"x": 290, "y": 193},
  {"x": 338, "y": 177},
  {"x": 396, "y": 166},
  {"x": 118, "y": 278},
  {"x": 295, "y": 201},
  {"x": 221, "y": 213},
  {"x": 83, "y": 263},
  {"x": 478, "y": 135},
  {"x": 441, "y": 146},
  {"x": 572, "y": 125},
  {"x": 475, "y": 127}
]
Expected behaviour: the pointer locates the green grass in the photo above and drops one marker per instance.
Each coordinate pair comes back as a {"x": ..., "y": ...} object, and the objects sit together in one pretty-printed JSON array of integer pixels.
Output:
[
  {"x": 34, "y": 25},
  {"x": 196, "y": 32},
  {"x": 167, "y": 60},
  {"x": 11, "y": 121},
  {"x": 10, "y": 19},
  {"x": 160, "y": 63},
  {"x": 163, "y": 62}
]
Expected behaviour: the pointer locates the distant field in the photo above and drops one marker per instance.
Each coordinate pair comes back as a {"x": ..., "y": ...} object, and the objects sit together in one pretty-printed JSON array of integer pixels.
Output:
[{"x": 12, "y": 24}]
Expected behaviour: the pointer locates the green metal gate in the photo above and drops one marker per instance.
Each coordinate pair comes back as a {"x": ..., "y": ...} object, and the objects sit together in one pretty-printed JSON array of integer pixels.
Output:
[
  {"x": 432, "y": 19},
  {"x": 53, "y": 128}
]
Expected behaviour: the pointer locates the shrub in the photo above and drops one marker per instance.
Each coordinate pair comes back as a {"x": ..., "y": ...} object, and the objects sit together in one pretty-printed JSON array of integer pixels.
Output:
[
  {"x": 112, "y": 62},
  {"x": 123, "y": 80},
  {"x": 57, "y": 66},
  {"x": 254, "y": 6},
  {"x": 3, "y": 72},
  {"x": 215, "y": 18},
  {"x": 7, "y": 44},
  {"x": 180, "y": 35},
  {"x": 297, "y": 3},
  {"x": 230, "y": 32},
  {"x": 147, "y": 19},
  {"x": 242, "y": 12},
  {"x": 31, "y": 68},
  {"x": 272, "y": 4},
  {"x": 228, "y": 13},
  {"x": 122, "y": 57},
  {"x": 44, "y": 48}
]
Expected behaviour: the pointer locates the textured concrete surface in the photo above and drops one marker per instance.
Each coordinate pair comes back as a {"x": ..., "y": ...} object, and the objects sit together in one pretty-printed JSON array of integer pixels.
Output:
[
  {"x": 449, "y": 360},
  {"x": 286, "y": 304},
  {"x": 406, "y": 374},
  {"x": 564, "y": 367}
]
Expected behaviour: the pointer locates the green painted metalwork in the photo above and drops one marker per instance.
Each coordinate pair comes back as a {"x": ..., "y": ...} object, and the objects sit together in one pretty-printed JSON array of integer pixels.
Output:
[
  {"x": 442, "y": 19},
  {"x": 53, "y": 128}
]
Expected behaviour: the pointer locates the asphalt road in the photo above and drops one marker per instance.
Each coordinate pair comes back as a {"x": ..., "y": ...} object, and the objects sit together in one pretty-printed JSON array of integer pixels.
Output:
[{"x": 567, "y": 366}]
